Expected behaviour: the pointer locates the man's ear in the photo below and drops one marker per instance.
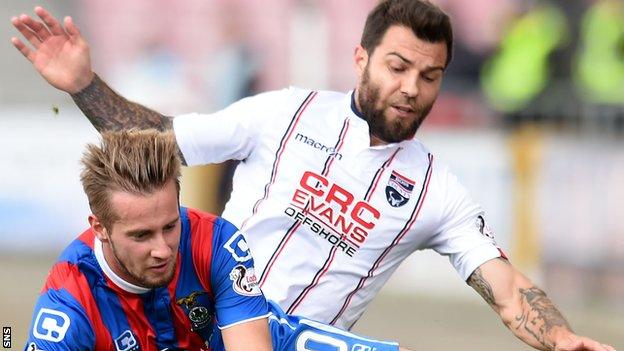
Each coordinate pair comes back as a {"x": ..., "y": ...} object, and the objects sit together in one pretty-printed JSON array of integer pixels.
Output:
[
  {"x": 360, "y": 59},
  {"x": 98, "y": 228}
]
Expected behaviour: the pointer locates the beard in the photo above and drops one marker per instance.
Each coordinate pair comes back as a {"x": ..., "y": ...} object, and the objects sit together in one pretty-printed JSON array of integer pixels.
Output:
[
  {"x": 379, "y": 124},
  {"x": 140, "y": 280}
]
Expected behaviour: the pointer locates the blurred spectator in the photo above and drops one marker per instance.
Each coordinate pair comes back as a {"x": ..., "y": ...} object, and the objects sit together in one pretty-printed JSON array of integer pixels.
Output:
[
  {"x": 600, "y": 63},
  {"x": 514, "y": 77}
]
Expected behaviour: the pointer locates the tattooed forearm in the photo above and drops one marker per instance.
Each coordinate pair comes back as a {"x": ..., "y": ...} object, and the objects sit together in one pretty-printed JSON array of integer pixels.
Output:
[
  {"x": 539, "y": 316},
  {"x": 108, "y": 111},
  {"x": 477, "y": 282}
]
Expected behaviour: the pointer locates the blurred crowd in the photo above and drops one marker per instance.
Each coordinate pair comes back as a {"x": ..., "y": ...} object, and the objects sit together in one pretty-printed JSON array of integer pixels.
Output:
[{"x": 560, "y": 61}]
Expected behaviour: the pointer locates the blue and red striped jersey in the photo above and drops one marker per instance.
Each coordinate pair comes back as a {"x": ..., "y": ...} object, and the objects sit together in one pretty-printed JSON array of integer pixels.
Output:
[{"x": 214, "y": 286}]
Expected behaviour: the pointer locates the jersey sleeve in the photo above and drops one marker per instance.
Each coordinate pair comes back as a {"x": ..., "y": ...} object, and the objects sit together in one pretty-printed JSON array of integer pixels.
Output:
[
  {"x": 59, "y": 323},
  {"x": 236, "y": 289},
  {"x": 464, "y": 235},
  {"x": 230, "y": 133}
]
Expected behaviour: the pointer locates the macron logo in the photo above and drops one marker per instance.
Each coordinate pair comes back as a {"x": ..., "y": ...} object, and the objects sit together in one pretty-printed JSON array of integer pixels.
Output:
[{"x": 317, "y": 145}]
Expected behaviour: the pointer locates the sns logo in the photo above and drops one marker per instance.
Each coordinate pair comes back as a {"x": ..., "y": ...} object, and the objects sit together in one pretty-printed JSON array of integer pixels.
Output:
[
  {"x": 126, "y": 342},
  {"x": 237, "y": 246},
  {"x": 51, "y": 325}
]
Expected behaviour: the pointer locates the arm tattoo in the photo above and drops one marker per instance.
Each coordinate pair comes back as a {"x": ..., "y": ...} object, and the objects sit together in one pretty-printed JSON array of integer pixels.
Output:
[
  {"x": 477, "y": 282},
  {"x": 539, "y": 316},
  {"x": 108, "y": 111}
]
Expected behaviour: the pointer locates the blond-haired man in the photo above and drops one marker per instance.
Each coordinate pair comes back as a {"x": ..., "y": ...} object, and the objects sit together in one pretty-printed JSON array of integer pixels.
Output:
[{"x": 149, "y": 274}]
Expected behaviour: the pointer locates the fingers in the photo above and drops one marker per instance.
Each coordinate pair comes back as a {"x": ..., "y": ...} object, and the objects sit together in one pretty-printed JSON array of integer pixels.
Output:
[
  {"x": 72, "y": 29},
  {"x": 41, "y": 30},
  {"x": 589, "y": 344},
  {"x": 50, "y": 21},
  {"x": 29, "y": 54},
  {"x": 27, "y": 32},
  {"x": 576, "y": 343}
]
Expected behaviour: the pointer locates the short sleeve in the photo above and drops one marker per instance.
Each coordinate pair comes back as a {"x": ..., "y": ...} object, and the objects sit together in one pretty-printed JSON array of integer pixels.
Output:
[
  {"x": 230, "y": 133},
  {"x": 464, "y": 234},
  {"x": 236, "y": 289},
  {"x": 59, "y": 323}
]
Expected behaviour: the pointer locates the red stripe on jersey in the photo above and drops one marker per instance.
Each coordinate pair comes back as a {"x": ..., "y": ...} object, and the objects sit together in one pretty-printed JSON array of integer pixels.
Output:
[
  {"x": 287, "y": 237},
  {"x": 394, "y": 243},
  {"x": 87, "y": 238},
  {"x": 202, "y": 233},
  {"x": 333, "y": 250},
  {"x": 133, "y": 308},
  {"x": 379, "y": 174},
  {"x": 341, "y": 139},
  {"x": 65, "y": 275},
  {"x": 181, "y": 323},
  {"x": 315, "y": 281},
  {"x": 182, "y": 326},
  {"x": 326, "y": 169},
  {"x": 280, "y": 151}
]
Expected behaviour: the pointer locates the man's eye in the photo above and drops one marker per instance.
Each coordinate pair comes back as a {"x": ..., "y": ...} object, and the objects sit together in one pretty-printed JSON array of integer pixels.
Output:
[
  {"x": 430, "y": 78},
  {"x": 397, "y": 69}
]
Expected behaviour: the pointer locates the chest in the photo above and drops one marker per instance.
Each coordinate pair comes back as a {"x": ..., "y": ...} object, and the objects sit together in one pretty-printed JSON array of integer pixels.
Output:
[{"x": 325, "y": 176}]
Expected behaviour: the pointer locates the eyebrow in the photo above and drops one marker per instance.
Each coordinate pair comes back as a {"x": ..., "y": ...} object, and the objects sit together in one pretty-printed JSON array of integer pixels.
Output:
[
  {"x": 426, "y": 70},
  {"x": 147, "y": 231}
]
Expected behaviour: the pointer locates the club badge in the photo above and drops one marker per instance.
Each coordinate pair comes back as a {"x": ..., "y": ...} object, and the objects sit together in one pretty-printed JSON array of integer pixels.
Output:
[
  {"x": 399, "y": 189},
  {"x": 199, "y": 316}
]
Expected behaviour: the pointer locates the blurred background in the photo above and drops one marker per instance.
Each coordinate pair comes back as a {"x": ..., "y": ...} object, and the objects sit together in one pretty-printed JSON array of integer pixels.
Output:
[{"x": 531, "y": 119}]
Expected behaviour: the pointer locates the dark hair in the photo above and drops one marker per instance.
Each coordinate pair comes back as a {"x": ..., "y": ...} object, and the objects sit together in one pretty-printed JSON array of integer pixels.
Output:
[{"x": 427, "y": 21}]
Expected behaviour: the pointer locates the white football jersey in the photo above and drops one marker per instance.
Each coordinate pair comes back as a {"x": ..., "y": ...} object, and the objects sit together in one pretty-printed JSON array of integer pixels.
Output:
[{"x": 327, "y": 217}]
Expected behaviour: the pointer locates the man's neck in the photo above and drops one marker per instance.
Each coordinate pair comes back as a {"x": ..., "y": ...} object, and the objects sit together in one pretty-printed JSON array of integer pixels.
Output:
[{"x": 103, "y": 254}]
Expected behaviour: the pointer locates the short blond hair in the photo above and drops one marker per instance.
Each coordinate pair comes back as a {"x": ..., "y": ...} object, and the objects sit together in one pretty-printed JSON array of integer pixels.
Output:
[{"x": 135, "y": 161}]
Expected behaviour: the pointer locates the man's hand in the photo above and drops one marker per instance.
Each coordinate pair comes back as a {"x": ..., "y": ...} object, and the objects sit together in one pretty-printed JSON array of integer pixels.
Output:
[
  {"x": 574, "y": 342},
  {"x": 60, "y": 55},
  {"x": 526, "y": 310}
]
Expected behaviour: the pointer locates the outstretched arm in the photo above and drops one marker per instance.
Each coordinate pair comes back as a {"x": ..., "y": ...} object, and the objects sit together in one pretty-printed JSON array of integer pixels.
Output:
[
  {"x": 526, "y": 310},
  {"x": 107, "y": 110},
  {"x": 61, "y": 55}
]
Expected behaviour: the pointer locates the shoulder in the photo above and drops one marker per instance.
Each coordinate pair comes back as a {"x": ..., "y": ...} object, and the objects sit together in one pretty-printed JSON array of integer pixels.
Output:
[
  {"x": 61, "y": 319},
  {"x": 75, "y": 267},
  {"x": 202, "y": 222},
  {"x": 209, "y": 227}
]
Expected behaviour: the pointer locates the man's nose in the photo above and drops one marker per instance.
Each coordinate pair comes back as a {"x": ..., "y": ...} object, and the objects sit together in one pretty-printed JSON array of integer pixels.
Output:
[
  {"x": 409, "y": 87},
  {"x": 161, "y": 249}
]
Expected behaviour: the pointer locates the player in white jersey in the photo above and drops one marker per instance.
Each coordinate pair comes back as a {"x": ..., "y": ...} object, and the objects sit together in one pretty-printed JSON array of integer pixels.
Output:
[
  {"x": 311, "y": 183},
  {"x": 333, "y": 191}
]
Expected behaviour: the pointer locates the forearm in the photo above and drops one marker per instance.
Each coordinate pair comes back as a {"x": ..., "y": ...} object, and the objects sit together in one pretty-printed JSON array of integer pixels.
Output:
[
  {"x": 536, "y": 320},
  {"x": 109, "y": 111},
  {"x": 524, "y": 308}
]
